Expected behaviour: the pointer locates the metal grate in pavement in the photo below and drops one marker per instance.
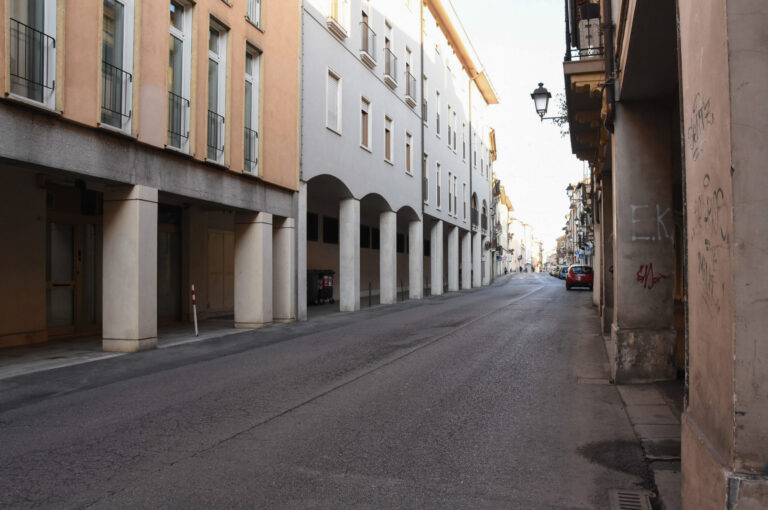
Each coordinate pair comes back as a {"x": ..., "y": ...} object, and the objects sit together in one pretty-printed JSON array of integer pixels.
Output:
[{"x": 623, "y": 499}]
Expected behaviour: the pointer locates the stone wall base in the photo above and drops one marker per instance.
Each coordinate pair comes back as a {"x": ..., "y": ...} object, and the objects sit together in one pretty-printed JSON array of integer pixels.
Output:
[
  {"x": 119, "y": 345},
  {"x": 643, "y": 355}
]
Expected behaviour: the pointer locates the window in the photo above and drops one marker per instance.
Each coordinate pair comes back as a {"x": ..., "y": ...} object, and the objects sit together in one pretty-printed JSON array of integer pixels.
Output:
[
  {"x": 117, "y": 63},
  {"x": 390, "y": 60},
  {"x": 425, "y": 182},
  {"x": 253, "y": 13},
  {"x": 179, "y": 63},
  {"x": 333, "y": 102},
  {"x": 455, "y": 198},
  {"x": 437, "y": 179},
  {"x": 425, "y": 102},
  {"x": 330, "y": 230},
  {"x": 217, "y": 70},
  {"x": 365, "y": 123},
  {"x": 474, "y": 148},
  {"x": 410, "y": 79},
  {"x": 437, "y": 113},
  {"x": 450, "y": 193},
  {"x": 252, "y": 75},
  {"x": 464, "y": 197},
  {"x": 32, "y": 28},
  {"x": 453, "y": 122},
  {"x": 388, "y": 139},
  {"x": 464, "y": 141},
  {"x": 449, "y": 125},
  {"x": 338, "y": 18},
  {"x": 408, "y": 146},
  {"x": 312, "y": 227}
]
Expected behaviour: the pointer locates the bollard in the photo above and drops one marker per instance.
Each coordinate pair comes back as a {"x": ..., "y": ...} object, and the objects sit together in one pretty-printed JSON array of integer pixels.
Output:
[{"x": 194, "y": 308}]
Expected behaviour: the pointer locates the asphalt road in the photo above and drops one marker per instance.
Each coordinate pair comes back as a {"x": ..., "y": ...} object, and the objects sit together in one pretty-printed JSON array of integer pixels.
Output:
[{"x": 492, "y": 398}]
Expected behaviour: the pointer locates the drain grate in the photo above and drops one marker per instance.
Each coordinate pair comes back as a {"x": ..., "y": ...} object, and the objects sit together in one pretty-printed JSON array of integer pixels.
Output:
[{"x": 623, "y": 499}]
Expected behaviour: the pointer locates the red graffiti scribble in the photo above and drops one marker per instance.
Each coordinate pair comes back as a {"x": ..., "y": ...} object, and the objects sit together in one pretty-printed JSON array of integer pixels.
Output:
[{"x": 646, "y": 276}]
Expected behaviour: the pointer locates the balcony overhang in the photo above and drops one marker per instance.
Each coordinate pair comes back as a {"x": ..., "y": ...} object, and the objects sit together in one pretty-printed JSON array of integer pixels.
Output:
[{"x": 584, "y": 83}]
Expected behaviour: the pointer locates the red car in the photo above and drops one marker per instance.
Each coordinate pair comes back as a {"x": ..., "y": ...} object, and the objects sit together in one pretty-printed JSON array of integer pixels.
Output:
[{"x": 579, "y": 275}]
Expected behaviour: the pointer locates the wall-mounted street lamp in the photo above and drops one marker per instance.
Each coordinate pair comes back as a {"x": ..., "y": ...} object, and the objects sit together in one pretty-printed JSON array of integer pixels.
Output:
[
  {"x": 541, "y": 97},
  {"x": 569, "y": 191}
]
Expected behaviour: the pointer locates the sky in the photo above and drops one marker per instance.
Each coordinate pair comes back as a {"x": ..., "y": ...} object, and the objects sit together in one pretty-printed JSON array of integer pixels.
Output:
[{"x": 522, "y": 43}]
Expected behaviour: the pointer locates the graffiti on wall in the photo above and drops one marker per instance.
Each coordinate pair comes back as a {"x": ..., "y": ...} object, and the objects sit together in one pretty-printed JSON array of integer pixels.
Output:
[
  {"x": 648, "y": 277},
  {"x": 701, "y": 118},
  {"x": 646, "y": 227},
  {"x": 710, "y": 214}
]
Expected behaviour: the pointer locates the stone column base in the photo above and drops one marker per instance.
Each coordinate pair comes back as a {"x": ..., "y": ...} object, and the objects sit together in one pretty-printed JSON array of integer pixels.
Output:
[
  {"x": 643, "y": 355},
  {"x": 252, "y": 325},
  {"x": 122, "y": 345},
  {"x": 708, "y": 484}
]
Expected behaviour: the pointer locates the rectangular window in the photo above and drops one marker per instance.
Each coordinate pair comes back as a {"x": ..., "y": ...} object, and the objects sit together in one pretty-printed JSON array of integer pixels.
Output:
[
  {"x": 450, "y": 193},
  {"x": 254, "y": 12},
  {"x": 464, "y": 197},
  {"x": 217, "y": 65},
  {"x": 464, "y": 141},
  {"x": 312, "y": 227},
  {"x": 333, "y": 102},
  {"x": 437, "y": 180},
  {"x": 408, "y": 158},
  {"x": 252, "y": 79},
  {"x": 330, "y": 230},
  {"x": 388, "y": 139},
  {"x": 455, "y": 198},
  {"x": 474, "y": 148},
  {"x": 437, "y": 113},
  {"x": 32, "y": 32},
  {"x": 425, "y": 182},
  {"x": 449, "y": 125},
  {"x": 425, "y": 102},
  {"x": 453, "y": 122},
  {"x": 117, "y": 63},
  {"x": 179, "y": 64},
  {"x": 365, "y": 123}
]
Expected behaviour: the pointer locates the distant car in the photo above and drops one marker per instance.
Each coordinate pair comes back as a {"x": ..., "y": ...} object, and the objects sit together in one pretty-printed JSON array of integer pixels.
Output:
[
  {"x": 579, "y": 276},
  {"x": 563, "y": 272}
]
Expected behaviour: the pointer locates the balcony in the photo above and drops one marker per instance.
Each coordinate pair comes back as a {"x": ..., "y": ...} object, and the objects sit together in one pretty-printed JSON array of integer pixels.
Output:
[
  {"x": 215, "y": 136},
  {"x": 410, "y": 89},
  {"x": 584, "y": 69},
  {"x": 367, "y": 45},
  {"x": 178, "y": 121},
  {"x": 115, "y": 95},
  {"x": 335, "y": 22},
  {"x": 251, "y": 146},
  {"x": 390, "y": 68},
  {"x": 33, "y": 59}
]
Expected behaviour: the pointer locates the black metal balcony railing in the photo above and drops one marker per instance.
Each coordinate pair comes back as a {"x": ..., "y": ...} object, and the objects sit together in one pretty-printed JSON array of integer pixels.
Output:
[
  {"x": 474, "y": 216},
  {"x": 215, "y": 135},
  {"x": 367, "y": 39},
  {"x": 582, "y": 53},
  {"x": 485, "y": 222},
  {"x": 178, "y": 113},
  {"x": 410, "y": 86},
  {"x": 251, "y": 150},
  {"x": 390, "y": 65},
  {"x": 115, "y": 95},
  {"x": 30, "y": 53}
]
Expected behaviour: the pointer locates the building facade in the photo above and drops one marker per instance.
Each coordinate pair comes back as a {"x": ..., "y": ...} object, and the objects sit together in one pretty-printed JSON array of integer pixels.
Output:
[
  {"x": 147, "y": 146},
  {"x": 386, "y": 194},
  {"x": 661, "y": 102}
]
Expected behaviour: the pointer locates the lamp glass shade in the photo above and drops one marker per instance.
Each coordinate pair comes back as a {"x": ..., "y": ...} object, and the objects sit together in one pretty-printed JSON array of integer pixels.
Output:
[{"x": 541, "y": 98}]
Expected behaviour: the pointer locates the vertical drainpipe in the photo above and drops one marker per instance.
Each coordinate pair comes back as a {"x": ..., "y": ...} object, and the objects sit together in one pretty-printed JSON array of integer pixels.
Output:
[{"x": 421, "y": 116}]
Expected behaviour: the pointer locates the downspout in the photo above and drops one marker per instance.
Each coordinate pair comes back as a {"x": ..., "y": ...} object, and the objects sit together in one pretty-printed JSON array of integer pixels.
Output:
[{"x": 421, "y": 80}]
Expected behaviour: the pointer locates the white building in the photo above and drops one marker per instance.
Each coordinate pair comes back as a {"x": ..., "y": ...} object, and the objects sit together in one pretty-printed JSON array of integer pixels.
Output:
[{"x": 369, "y": 211}]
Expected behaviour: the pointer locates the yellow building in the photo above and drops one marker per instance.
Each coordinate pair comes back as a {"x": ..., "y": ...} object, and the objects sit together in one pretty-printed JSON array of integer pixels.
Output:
[{"x": 146, "y": 146}]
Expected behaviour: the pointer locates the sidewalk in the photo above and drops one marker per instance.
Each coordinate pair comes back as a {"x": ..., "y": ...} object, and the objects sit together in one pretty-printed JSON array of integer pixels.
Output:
[{"x": 654, "y": 411}]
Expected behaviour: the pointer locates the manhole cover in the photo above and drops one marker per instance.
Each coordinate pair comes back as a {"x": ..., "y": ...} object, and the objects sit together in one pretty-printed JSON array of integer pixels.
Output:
[{"x": 622, "y": 499}]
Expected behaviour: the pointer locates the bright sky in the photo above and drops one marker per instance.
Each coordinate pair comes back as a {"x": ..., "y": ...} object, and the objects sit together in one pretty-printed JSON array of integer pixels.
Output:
[{"x": 522, "y": 43}]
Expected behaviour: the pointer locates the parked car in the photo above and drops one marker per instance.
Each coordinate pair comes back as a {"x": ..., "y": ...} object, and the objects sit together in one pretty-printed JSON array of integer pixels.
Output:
[
  {"x": 563, "y": 272},
  {"x": 579, "y": 275}
]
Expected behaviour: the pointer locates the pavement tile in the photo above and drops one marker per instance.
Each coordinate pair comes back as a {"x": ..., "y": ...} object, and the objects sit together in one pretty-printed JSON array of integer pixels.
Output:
[
  {"x": 640, "y": 394},
  {"x": 665, "y": 449},
  {"x": 651, "y": 415},
  {"x": 657, "y": 432}
]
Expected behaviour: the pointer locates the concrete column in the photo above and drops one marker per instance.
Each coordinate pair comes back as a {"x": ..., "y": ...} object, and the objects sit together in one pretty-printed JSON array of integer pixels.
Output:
[
  {"x": 301, "y": 253},
  {"x": 284, "y": 270},
  {"x": 436, "y": 257},
  {"x": 606, "y": 281},
  {"x": 643, "y": 334},
  {"x": 466, "y": 260},
  {"x": 487, "y": 262},
  {"x": 453, "y": 259},
  {"x": 388, "y": 258},
  {"x": 415, "y": 260},
  {"x": 130, "y": 269},
  {"x": 253, "y": 270},
  {"x": 349, "y": 255},
  {"x": 477, "y": 271}
]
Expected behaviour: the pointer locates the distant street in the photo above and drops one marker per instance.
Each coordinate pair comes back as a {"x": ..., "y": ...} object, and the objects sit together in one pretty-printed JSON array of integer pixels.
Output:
[{"x": 492, "y": 398}]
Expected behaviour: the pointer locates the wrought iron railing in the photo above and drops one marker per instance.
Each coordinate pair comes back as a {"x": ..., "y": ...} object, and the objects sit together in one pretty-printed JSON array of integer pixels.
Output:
[
  {"x": 253, "y": 13},
  {"x": 178, "y": 124},
  {"x": 367, "y": 39},
  {"x": 410, "y": 86},
  {"x": 30, "y": 55},
  {"x": 251, "y": 150},
  {"x": 215, "y": 135},
  {"x": 115, "y": 95},
  {"x": 390, "y": 64},
  {"x": 582, "y": 53}
]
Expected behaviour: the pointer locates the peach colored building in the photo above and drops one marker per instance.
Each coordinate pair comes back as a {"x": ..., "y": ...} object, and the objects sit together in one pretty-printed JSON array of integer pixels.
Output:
[{"x": 146, "y": 146}]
